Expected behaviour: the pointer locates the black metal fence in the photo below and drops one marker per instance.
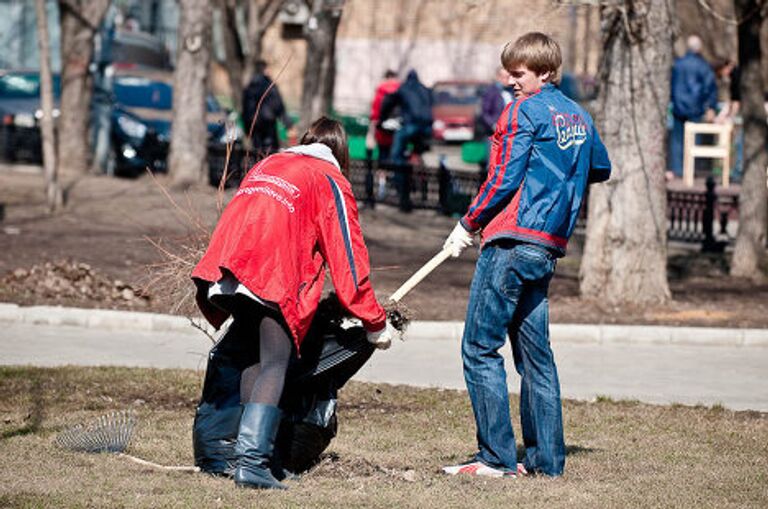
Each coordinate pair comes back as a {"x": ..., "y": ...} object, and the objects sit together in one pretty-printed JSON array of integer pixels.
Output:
[
  {"x": 409, "y": 187},
  {"x": 693, "y": 216}
]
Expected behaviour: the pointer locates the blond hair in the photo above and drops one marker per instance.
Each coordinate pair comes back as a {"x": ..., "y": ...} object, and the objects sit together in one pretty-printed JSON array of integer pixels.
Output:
[{"x": 538, "y": 52}]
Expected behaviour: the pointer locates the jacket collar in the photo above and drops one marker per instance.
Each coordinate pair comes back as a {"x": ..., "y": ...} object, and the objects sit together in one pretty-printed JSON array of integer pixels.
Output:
[
  {"x": 547, "y": 87},
  {"x": 316, "y": 150}
]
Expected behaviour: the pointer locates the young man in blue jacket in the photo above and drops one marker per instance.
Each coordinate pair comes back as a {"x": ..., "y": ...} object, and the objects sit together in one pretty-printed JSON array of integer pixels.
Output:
[{"x": 544, "y": 152}]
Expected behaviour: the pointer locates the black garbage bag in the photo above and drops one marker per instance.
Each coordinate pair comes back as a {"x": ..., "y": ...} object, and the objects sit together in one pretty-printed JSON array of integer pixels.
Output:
[
  {"x": 217, "y": 417},
  {"x": 311, "y": 394},
  {"x": 330, "y": 355}
]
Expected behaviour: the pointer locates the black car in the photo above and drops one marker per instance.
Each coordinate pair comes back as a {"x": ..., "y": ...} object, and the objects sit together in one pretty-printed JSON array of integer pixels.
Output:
[
  {"x": 136, "y": 111},
  {"x": 140, "y": 112},
  {"x": 21, "y": 113}
]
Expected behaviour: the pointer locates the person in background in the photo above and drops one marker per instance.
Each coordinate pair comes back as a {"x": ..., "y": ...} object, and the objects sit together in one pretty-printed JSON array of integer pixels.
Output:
[
  {"x": 728, "y": 77},
  {"x": 377, "y": 136},
  {"x": 544, "y": 152},
  {"x": 495, "y": 99},
  {"x": 293, "y": 215},
  {"x": 415, "y": 102},
  {"x": 694, "y": 99},
  {"x": 729, "y": 87},
  {"x": 264, "y": 137}
]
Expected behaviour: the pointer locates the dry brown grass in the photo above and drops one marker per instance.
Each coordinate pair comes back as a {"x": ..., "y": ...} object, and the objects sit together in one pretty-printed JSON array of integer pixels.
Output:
[
  {"x": 391, "y": 443},
  {"x": 170, "y": 277}
]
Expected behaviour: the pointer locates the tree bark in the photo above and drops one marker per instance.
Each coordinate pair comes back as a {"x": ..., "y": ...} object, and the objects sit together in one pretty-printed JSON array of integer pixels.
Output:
[
  {"x": 586, "y": 45},
  {"x": 749, "y": 251},
  {"x": 234, "y": 54},
  {"x": 625, "y": 254},
  {"x": 80, "y": 20},
  {"x": 52, "y": 189},
  {"x": 261, "y": 15},
  {"x": 320, "y": 66},
  {"x": 188, "y": 153}
]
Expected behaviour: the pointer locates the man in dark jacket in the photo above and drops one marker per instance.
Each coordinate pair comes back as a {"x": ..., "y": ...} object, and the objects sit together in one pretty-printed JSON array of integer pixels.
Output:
[
  {"x": 415, "y": 101},
  {"x": 264, "y": 135},
  {"x": 694, "y": 98}
]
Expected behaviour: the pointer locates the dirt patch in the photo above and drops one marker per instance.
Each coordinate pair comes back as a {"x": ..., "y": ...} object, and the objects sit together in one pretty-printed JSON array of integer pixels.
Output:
[
  {"x": 334, "y": 466},
  {"x": 124, "y": 230},
  {"x": 688, "y": 315},
  {"x": 70, "y": 284}
]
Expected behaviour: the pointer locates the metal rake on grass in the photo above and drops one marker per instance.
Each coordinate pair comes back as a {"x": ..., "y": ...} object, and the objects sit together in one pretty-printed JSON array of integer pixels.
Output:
[{"x": 111, "y": 433}]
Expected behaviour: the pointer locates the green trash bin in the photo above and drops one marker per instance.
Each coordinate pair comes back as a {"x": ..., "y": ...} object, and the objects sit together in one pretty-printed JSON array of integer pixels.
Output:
[
  {"x": 357, "y": 149},
  {"x": 473, "y": 152}
]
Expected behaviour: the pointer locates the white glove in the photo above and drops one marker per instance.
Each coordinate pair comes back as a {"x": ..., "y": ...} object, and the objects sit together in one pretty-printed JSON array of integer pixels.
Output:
[
  {"x": 383, "y": 339},
  {"x": 458, "y": 240}
]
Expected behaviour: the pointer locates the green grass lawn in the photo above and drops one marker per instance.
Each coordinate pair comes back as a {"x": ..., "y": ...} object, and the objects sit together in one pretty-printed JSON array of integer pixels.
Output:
[{"x": 391, "y": 444}]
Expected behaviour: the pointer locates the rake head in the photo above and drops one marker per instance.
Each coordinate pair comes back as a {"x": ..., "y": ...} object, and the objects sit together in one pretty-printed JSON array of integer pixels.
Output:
[{"x": 109, "y": 433}]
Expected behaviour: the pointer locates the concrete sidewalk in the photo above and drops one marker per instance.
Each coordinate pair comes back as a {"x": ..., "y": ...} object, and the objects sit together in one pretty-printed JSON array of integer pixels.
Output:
[
  {"x": 651, "y": 364},
  {"x": 573, "y": 333}
]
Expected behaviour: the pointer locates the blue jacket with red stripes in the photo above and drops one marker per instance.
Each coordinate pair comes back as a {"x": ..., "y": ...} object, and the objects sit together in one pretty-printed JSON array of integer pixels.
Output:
[{"x": 544, "y": 152}]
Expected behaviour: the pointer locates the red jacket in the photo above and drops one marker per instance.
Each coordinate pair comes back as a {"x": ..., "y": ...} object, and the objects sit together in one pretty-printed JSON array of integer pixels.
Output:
[
  {"x": 293, "y": 215},
  {"x": 385, "y": 88}
]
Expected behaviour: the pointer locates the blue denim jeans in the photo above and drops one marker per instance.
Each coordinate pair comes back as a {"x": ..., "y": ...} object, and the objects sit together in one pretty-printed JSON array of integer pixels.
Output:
[
  {"x": 676, "y": 142},
  {"x": 509, "y": 297},
  {"x": 407, "y": 133}
]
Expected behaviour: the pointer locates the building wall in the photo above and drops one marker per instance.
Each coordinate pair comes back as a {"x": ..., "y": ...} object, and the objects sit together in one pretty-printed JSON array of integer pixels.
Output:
[{"x": 440, "y": 39}]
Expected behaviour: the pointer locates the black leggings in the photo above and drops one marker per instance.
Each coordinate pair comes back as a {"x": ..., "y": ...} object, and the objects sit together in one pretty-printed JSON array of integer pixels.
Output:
[{"x": 262, "y": 382}]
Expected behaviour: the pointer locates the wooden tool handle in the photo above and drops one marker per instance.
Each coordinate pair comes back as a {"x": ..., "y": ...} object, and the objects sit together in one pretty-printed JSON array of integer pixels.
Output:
[
  {"x": 421, "y": 274},
  {"x": 152, "y": 464}
]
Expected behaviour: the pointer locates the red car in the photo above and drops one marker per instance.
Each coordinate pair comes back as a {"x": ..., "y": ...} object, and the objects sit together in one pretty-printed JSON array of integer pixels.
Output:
[{"x": 456, "y": 104}]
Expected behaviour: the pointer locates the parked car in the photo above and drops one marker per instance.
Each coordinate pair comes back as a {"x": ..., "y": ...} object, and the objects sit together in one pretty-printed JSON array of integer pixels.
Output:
[
  {"x": 139, "y": 109},
  {"x": 21, "y": 113},
  {"x": 141, "y": 106},
  {"x": 456, "y": 104},
  {"x": 129, "y": 49}
]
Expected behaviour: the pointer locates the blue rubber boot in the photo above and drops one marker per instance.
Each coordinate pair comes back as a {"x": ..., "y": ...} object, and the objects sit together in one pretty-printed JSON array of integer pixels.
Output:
[{"x": 255, "y": 446}]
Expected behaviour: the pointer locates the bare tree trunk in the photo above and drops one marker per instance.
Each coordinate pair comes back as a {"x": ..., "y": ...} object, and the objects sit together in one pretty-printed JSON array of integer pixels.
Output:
[
  {"x": 625, "y": 255},
  {"x": 52, "y": 189},
  {"x": 404, "y": 24},
  {"x": 587, "y": 41},
  {"x": 570, "y": 50},
  {"x": 79, "y": 23},
  {"x": 749, "y": 252},
  {"x": 234, "y": 54},
  {"x": 261, "y": 15},
  {"x": 320, "y": 67},
  {"x": 188, "y": 154}
]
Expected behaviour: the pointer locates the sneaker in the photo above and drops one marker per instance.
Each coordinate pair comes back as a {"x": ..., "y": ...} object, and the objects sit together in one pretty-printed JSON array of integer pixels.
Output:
[{"x": 477, "y": 468}]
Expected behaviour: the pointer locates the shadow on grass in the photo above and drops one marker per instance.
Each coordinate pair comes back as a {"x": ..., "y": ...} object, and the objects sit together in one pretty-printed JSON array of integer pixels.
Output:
[
  {"x": 570, "y": 450},
  {"x": 36, "y": 412}
]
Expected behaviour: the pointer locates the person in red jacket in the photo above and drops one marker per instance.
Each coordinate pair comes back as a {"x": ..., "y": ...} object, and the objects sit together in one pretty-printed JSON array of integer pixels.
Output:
[
  {"x": 293, "y": 215},
  {"x": 377, "y": 134}
]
